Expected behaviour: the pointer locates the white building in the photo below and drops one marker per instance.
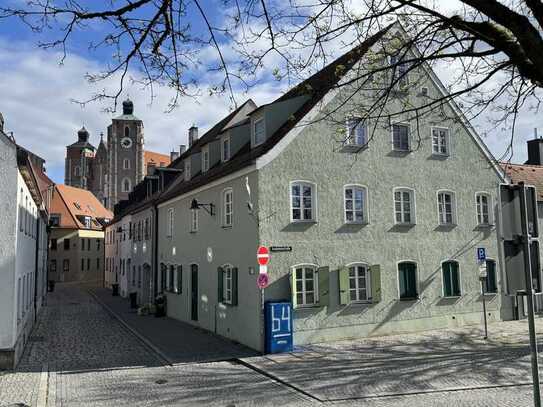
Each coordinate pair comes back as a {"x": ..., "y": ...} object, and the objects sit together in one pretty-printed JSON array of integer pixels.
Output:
[{"x": 23, "y": 246}]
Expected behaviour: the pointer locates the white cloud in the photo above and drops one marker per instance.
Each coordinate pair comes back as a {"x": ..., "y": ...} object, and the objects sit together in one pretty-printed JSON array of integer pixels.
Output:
[{"x": 36, "y": 104}]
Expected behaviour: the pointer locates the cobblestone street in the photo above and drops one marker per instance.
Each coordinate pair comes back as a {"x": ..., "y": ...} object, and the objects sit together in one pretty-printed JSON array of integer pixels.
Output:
[{"x": 80, "y": 355}]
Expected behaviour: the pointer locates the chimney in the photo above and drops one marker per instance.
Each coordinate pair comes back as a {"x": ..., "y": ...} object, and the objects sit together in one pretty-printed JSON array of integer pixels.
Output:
[
  {"x": 193, "y": 135},
  {"x": 174, "y": 155},
  {"x": 182, "y": 149},
  {"x": 535, "y": 150}
]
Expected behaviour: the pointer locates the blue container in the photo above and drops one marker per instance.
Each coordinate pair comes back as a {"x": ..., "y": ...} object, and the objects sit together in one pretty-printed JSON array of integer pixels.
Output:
[{"x": 278, "y": 319}]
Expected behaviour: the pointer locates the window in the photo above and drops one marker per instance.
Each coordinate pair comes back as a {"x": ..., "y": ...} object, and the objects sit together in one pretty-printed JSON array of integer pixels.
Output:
[
  {"x": 21, "y": 213},
  {"x": 359, "y": 283},
  {"x": 490, "y": 284},
  {"x": 355, "y": 204},
  {"x": 53, "y": 244},
  {"x": 306, "y": 285},
  {"x": 302, "y": 202},
  {"x": 205, "y": 158},
  {"x": 400, "y": 137},
  {"x": 356, "y": 132},
  {"x": 66, "y": 265},
  {"x": 147, "y": 228},
  {"x": 53, "y": 266},
  {"x": 170, "y": 223},
  {"x": 404, "y": 206},
  {"x": 98, "y": 243},
  {"x": 440, "y": 141},
  {"x": 126, "y": 132},
  {"x": 451, "y": 279},
  {"x": 82, "y": 244},
  {"x": 227, "y": 197},
  {"x": 88, "y": 264},
  {"x": 187, "y": 169},
  {"x": 87, "y": 222},
  {"x": 483, "y": 208},
  {"x": 225, "y": 148},
  {"x": 228, "y": 285},
  {"x": 82, "y": 264},
  {"x": 399, "y": 71},
  {"x": 126, "y": 164},
  {"x": 446, "y": 208},
  {"x": 133, "y": 275},
  {"x": 126, "y": 185},
  {"x": 179, "y": 279},
  {"x": 26, "y": 215},
  {"x": 193, "y": 220},
  {"x": 19, "y": 298},
  {"x": 97, "y": 264},
  {"x": 407, "y": 279},
  {"x": 139, "y": 276},
  {"x": 66, "y": 244},
  {"x": 259, "y": 131},
  {"x": 77, "y": 171}
]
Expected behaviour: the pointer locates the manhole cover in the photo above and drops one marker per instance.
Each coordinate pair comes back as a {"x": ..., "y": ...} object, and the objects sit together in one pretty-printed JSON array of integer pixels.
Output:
[{"x": 161, "y": 381}]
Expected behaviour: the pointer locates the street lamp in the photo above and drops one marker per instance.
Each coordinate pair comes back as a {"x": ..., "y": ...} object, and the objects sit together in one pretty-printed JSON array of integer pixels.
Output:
[{"x": 195, "y": 205}]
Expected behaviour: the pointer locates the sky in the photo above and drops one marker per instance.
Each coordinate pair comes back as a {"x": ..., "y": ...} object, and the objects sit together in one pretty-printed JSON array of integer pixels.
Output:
[{"x": 37, "y": 94}]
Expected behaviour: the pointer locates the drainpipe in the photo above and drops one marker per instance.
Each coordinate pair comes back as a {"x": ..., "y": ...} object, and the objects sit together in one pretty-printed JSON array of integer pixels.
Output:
[
  {"x": 36, "y": 261},
  {"x": 155, "y": 250}
]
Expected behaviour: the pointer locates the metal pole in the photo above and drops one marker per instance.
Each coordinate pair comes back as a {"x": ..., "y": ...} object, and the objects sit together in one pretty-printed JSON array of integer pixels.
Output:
[
  {"x": 484, "y": 308},
  {"x": 526, "y": 238}
]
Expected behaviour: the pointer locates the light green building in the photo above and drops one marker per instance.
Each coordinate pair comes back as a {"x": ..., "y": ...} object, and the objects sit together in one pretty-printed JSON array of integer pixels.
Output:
[{"x": 373, "y": 223}]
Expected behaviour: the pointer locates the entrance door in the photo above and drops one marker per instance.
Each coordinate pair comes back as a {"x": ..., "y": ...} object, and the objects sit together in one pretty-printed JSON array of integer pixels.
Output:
[{"x": 194, "y": 292}]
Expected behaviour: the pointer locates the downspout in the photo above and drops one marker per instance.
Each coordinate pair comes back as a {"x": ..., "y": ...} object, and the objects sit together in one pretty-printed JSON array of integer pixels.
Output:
[
  {"x": 36, "y": 261},
  {"x": 155, "y": 250}
]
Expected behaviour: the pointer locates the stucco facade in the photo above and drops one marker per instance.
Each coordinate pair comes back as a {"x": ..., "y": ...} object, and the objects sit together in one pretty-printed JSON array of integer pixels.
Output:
[{"x": 23, "y": 251}]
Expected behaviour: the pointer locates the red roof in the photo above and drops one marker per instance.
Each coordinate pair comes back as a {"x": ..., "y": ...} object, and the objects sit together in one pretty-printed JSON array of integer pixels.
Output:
[
  {"x": 156, "y": 159},
  {"x": 529, "y": 174}
]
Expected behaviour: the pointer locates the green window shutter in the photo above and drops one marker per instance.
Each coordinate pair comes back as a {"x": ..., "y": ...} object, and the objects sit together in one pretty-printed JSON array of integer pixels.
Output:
[
  {"x": 220, "y": 282},
  {"x": 375, "y": 276},
  {"x": 412, "y": 278},
  {"x": 455, "y": 276},
  {"x": 293, "y": 288},
  {"x": 235, "y": 286},
  {"x": 402, "y": 280},
  {"x": 343, "y": 276},
  {"x": 447, "y": 277},
  {"x": 324, "y": 285}
]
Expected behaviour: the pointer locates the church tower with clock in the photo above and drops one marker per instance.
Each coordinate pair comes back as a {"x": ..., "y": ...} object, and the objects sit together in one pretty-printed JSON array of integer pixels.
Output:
[
  {"x": 112, "y": 170},
  {"x": 125, "y": 151}
]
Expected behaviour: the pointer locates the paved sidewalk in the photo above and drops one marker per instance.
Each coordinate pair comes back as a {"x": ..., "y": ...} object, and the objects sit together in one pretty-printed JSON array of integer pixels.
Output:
[
  {"x": 176, "y": 341},
  {"x": 409, "y": 364}
]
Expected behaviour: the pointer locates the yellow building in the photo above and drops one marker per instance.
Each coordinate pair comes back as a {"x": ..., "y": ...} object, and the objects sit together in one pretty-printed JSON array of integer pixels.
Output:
[{"x": 76, "y": 245}]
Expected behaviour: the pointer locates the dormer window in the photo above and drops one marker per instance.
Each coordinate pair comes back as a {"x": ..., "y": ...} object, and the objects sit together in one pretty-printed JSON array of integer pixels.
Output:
[
  {"x": 187, "y": 169},
  {"x": 225, "y": 148},
  {"x": 87, "y": 222},
  {"x": 259, "y": 131},
  {"x": 205, "y": 159}
]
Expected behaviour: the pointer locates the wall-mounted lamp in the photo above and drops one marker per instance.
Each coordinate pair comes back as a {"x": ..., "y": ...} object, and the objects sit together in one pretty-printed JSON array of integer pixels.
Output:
[{"x": 208, "y": 207}]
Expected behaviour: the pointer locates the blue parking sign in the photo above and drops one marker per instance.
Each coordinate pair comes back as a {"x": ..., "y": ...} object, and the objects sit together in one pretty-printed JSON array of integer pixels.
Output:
[
  {"x": 481, "y": 254},
  {"x": 278, "y": 327}
]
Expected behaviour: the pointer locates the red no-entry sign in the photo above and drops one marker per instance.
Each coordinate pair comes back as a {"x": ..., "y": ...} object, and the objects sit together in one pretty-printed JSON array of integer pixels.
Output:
[{"x": 263, "y": 255}]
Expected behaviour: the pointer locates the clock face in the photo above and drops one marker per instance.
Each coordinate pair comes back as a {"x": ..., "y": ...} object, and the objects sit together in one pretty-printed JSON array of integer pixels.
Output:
[{"x": 126, "y": 142}]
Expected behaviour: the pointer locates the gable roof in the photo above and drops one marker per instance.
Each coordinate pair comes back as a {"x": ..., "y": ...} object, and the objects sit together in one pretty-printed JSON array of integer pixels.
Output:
[
  {"x": 314, "y": 88},
  {"x": 529, "y": 174},
  {"x": 74, "y": 204}
]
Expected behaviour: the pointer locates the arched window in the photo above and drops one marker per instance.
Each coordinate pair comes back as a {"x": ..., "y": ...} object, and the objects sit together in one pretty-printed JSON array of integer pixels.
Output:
[
  {"x": 127, "y": 131},
  {"x": 355, "y": 204},
  {"x": 404, "y": 206},
  {"x": 302, "y": 201},
  {"x": 126, "y": 185},
  {"x": 227, "y": 202},
  {"x": 446, "y": 205},
  {"x": 451, "y": 279},
  {"x": 359, "y": 282},
  {"x": 407, "y": 280},
  {"x": 482, "y": 201},
  {"x": 305, "y": 285},
  {"x": 126, "y": 164}
]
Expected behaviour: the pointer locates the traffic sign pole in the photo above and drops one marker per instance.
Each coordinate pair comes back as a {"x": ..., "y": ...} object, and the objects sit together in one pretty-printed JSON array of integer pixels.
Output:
[
  {"x": 484, "y": 308},
  {"x": 529, "y": 293}
]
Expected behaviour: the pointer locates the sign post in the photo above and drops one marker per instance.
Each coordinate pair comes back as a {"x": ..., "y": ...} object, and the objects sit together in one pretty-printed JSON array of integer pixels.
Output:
[
  {"x": 526, "y": 241},
  {"x": 481, "y": 259}
]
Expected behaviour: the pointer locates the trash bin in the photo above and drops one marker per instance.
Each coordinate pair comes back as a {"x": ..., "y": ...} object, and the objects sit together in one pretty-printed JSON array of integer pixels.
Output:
[
  {"x": 51, "y": 284},
  {"x": 160, "y": 306},
  {"x": 134, "y": 300},
  {"x": 115, "y": 290}
]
